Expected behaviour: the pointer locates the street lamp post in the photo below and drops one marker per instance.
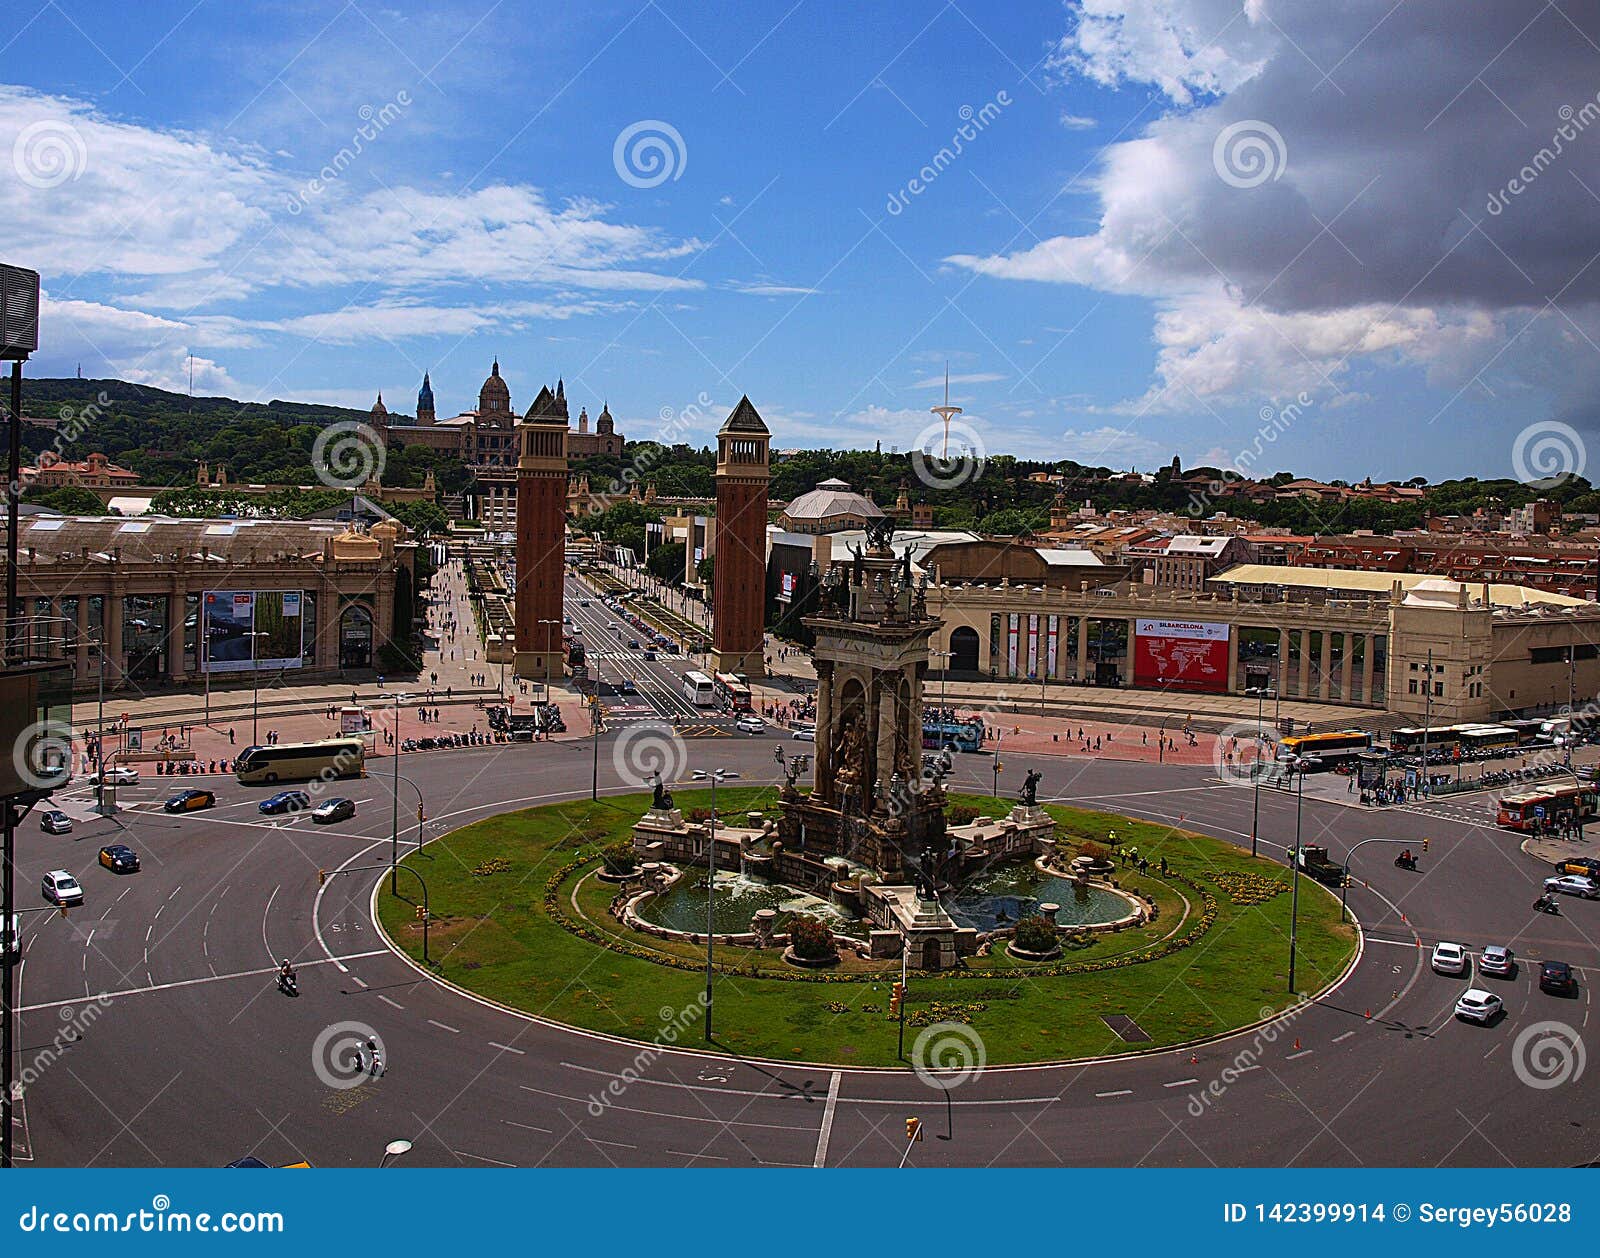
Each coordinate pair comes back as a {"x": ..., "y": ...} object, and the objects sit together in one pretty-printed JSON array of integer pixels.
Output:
[
  {"x": 999, "y": 738},
  {"x": 545, "y": 680},
  {"x": 1255, "y": 770},
  {"x": 711, "y": 892},
  {"x": 394, "y": 1149},
  {"x": 394, "y": 824},
  {"x": 1300, "y": 765}
]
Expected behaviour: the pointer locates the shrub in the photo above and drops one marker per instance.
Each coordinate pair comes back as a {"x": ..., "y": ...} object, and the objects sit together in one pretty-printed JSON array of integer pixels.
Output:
[
  {"x": 963, "y": 814},
  {"x": 1095, "y": 852},
  {"x": 699, "y": 814},
  {"x": 1036, "y": 934},
  {"x": 619, "y": 858},
  {"x": 810, "y": 939}
]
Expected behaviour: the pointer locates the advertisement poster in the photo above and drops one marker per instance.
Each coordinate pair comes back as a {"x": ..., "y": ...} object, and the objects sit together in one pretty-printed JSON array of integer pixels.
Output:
[
  {"x": 1181, "y": 655},
  {"x": 786, "y": 583},
  {"x": 232, "y": 616}
]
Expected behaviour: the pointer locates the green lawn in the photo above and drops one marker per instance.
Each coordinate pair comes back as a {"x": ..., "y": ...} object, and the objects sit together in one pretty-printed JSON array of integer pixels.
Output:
[{"x": 499, "y": 931}]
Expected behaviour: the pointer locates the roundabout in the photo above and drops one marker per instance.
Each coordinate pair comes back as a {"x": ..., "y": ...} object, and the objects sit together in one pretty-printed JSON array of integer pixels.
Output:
[
  {"x": 519, "y": 908},
  {"x": 1375, "y": 1072}
]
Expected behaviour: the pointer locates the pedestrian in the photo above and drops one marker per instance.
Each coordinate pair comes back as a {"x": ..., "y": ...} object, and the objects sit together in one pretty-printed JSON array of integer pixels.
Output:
[{"x": 230, "y": 735}]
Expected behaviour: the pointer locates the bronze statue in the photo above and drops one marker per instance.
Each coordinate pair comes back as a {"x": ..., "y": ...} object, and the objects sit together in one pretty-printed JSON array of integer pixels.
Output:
[
  {"x": 1030, "y": 788},
  {"x": 663, "y": 797}
]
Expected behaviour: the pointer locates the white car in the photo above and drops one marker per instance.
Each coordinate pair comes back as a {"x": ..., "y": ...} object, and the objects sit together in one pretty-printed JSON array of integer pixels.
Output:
[
  {"x": 60, "y": 888},
  {"x": 1477, "y": 1005},
  {"x": 1574, "y": 884},
  {"x": 750, "y": 725},
  {"x": 117, "y": 775},
  {"x": 805, "y": 733},
  {"x": 1451, "y": 958}
]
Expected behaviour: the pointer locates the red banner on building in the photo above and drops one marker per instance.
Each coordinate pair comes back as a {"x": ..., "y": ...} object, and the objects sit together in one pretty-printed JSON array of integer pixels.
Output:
[{"x": 1181, "y": 655}]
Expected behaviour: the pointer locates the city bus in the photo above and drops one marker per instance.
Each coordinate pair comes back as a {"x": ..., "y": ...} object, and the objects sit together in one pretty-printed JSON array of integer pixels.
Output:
[
  {"x": 699, "y": 690},
  {"x": 1487, "y": 737},
  {"x": 300, "y": 762},
  {"x": 731, "y": 692},
  {"x": 1548, "y": 804},
  {"x": 961, "y": 735},
  {"x": 1330, "y": 748},
  {"x": 1527, "y": 731},
  {"x": 1409, "y": 741}
]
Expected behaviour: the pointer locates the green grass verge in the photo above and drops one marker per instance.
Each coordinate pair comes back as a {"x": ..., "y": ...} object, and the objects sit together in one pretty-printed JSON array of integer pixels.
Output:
[{"x": 508, "y": 893}]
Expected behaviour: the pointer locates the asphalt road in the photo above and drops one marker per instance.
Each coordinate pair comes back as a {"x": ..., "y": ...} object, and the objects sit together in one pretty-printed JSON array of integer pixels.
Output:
[{"x": 195, "y": 1058}]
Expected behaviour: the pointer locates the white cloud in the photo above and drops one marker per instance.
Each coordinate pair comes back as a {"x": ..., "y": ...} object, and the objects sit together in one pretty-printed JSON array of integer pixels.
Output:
[
  {"x": 1078, "y": 122},
  {"x": 1369, "y": 243},
  {"x": 974, "y": 377}
]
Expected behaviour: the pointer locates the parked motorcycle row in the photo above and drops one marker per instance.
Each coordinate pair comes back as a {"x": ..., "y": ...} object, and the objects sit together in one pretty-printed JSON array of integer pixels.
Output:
[{"x": 1532, "y": 773}]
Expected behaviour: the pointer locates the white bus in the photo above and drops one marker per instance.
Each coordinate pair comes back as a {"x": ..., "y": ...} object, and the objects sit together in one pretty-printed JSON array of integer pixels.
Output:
[
  {"x": 699, "y": 690},
  {"x": 300, "y": 762}
]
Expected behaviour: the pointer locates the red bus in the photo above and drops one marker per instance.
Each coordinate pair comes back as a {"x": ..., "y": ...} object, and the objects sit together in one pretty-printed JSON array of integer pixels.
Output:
[
  {"x": 732, "y": 692},
  {"x": 1549, "y": 804}
]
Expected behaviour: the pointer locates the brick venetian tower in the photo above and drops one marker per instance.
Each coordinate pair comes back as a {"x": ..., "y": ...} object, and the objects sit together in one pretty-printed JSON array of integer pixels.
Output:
[
  {"x": 541, "y": 536},
  {"x": 740, "y": 580}
]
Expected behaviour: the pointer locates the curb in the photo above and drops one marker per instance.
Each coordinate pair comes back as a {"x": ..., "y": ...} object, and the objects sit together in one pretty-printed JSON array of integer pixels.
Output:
[{"x": 900, "y": 1071}]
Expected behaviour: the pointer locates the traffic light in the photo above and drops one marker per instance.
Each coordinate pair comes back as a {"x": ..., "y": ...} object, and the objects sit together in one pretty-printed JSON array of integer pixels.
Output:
[
  {"x": 421, "y": 912},
  {"x": 896, "y": 999},
  {"x": 999, "y": 766},
  {"x": 420, "y": 815},
  {"x": 913, "y": 1129},
  {"x": 1424, "y": 845}
]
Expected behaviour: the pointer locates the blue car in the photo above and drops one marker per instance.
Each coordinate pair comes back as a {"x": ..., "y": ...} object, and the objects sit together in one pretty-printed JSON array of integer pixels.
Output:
[{"x": 285, "y": 801}]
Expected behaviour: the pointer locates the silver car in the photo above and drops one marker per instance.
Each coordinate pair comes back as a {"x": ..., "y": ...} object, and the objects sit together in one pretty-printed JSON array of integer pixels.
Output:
[
  {"x": 1573, "y": 884},
  {"x": 1497, "y": 960}
]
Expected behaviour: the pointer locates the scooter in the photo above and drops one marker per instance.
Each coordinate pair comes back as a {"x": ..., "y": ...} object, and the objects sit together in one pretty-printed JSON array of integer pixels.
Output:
[
  {"x": 288, "y": 985},
  {"x": 1406, "y": 862},
  {"x": 1547, "y": 904}
]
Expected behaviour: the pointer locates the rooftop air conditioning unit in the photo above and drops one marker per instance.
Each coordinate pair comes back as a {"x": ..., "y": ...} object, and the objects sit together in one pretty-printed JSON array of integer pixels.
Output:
[{"x": 19, "y": 312}]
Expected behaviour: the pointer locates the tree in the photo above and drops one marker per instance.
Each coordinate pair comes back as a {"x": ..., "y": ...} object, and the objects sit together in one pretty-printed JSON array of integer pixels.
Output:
[
  {"x": 68, "y": 499},
  {"x": 810, "y": 939},
  {"x": 421, "y": 517},
  {"x": 666, "y": 562}
]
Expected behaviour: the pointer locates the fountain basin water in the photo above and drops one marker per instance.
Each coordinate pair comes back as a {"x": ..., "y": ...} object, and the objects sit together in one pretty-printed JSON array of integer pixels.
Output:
[
  {"x": 738, "y": 897},
  {"x": 1002, "y": 897}
]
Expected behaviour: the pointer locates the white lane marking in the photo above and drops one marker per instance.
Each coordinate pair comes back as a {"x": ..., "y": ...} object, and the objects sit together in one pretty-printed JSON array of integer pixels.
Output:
[
  {"x": 266, "y": 916},
  {"x": 360, "y": 980},
  {"x": 157, "y": 913},
  {"x": 90, "y": 939},
  {"x": 1304, "y": 1052},
  {"x": 395, "y": 1003},
  {"x": 506, "y": 1048},
  {"x": 148, "y": 931},
  {"x": 478, "y": 1157},
  {"x": 711, "y": 1157},
  {"x": 195, "y": 982},
  {"x": 1118, "y": 1092},
  {"x": 615, "y": 1144},
  {"x": 1180, "y": 1083},
  {"x": 527, "y": 1126},
  {"x": 1339, "y": 1039},
  {"x": 175, "y": 890},
  {"x": 443, "y": 1027},
  {"x": 826, "y": 1131}
]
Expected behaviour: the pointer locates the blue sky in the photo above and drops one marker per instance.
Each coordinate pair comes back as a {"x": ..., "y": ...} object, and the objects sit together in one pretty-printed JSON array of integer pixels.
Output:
[{"x": 1098, "y": 289}]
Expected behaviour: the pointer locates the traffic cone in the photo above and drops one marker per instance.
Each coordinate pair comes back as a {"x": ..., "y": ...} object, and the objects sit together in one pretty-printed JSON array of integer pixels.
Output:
[
  {"x": 1194, "y": 1059},
  {"x": 1297, "y": 1043},
  {"x": 1369, "y": 1013}
]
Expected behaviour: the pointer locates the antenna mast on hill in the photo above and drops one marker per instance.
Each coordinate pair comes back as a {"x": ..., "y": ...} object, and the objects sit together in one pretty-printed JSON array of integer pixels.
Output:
[{"x": 946, "y": 413}]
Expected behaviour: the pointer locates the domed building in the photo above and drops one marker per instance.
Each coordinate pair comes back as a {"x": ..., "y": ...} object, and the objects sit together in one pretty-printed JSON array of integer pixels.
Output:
[{"x": 583, "y": 444}]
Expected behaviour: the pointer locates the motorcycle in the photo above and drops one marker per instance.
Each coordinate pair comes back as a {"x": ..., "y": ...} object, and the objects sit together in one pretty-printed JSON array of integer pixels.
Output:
[
  {"x": 288, "y": 985},
  {"x": 1404, "y": 861},
  {"x": 1547, "y": 904}
]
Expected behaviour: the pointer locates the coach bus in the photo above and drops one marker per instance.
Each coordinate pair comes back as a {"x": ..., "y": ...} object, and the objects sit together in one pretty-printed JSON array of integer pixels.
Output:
[
  {"x": 1487, "y": 738},
  {"x": 1439, "y": 738},
  {"x": 1550, "y": 805},
  {"x": 300, "y": 762},
  {"x": 698, "y": 690},
  {"x": 960, "y": 735},
  {"x": 731, "y": 692},
  {"x": 1330, "y": 748}
]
